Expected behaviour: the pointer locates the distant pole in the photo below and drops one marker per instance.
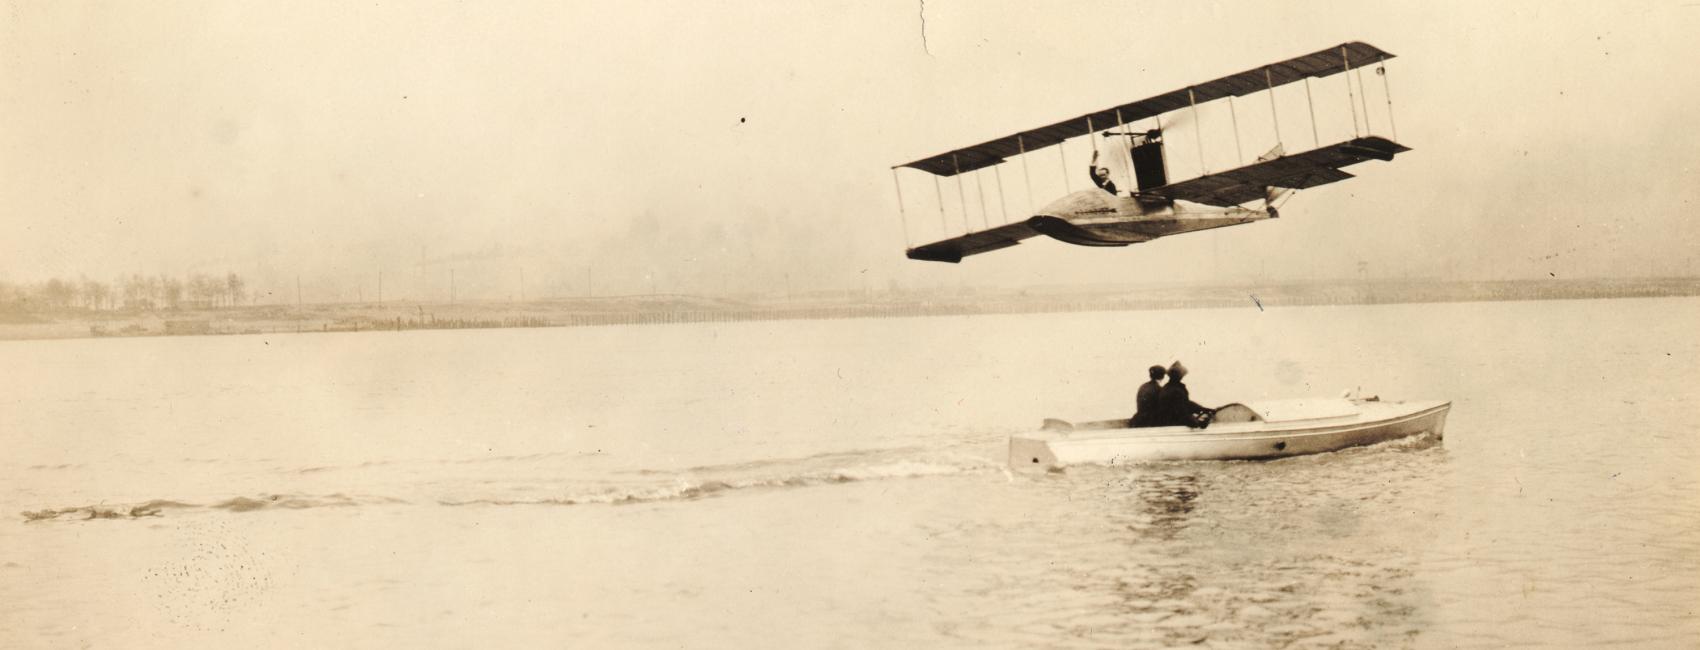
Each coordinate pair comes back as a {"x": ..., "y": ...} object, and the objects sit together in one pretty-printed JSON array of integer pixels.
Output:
[
  {"x": 451, "y": 286},
  {"x": 297, "y": 291},
  {"x": 522, "y": 284},
  {"x": 1216, "y": 256},
  {"x": 589, "y": 289},
  {"x": 380, "y": 287}
]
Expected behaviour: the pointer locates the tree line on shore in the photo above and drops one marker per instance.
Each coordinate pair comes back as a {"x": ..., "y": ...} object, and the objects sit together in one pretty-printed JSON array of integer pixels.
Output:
[{"x": 133, "y": 293}]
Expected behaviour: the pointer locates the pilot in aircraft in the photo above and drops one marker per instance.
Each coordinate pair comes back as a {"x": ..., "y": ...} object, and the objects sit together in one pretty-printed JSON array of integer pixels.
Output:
[
  {"x": 1101, "y": 175},
  {"x": 1156, "y": 206}
]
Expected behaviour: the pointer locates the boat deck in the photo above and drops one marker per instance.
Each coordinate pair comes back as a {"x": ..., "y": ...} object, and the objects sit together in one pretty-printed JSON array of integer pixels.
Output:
[{"x": 1280, "y": 428}]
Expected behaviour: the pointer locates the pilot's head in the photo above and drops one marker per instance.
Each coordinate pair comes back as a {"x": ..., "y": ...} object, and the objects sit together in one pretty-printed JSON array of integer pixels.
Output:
[{"x": 1101, "y": 173}]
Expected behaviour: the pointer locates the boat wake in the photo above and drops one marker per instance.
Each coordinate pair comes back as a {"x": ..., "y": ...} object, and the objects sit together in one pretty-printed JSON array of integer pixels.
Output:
[
  {"x": 562, "y": 485},
  {"x": 159, "y": 507},
  {"x": 684, "y": 488}
]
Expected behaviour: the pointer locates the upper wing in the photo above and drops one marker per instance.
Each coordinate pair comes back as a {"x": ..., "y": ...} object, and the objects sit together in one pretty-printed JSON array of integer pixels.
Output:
[
  {"x": 954, "y": 249},
  {"x": 1318, "y": 64},
  {"x": 1299, "y": 171}
]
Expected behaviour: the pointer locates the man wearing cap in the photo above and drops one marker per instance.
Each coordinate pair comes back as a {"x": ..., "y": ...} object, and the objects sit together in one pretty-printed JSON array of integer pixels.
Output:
[
  {"x": 1175, "y": 406},
  {"x": 1101, "y": 175},
  {"x": 1146, "y": 413}
]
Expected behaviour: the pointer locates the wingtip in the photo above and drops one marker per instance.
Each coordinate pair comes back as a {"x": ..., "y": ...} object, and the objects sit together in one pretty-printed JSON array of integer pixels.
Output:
[
  {"x": 1381, "y": 54},
  {"x": 933, "y": 256}
]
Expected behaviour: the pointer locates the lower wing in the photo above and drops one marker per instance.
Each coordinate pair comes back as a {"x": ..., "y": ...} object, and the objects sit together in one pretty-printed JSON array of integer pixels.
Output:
[{"x": 954, "y": 249}]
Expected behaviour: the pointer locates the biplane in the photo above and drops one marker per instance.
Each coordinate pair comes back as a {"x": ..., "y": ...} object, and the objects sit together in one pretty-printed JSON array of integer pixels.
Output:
[{"x": 1156, "y": 206}]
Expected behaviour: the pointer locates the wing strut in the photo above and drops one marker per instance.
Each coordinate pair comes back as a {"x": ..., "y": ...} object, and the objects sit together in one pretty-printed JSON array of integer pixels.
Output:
[
  {"x": 1316, "y": 137},
  {"x": 1351, "y": 102},
  {"x": 1277, "y": 116},
  {"x": 1239, "y": 154},
  {"x": 961, "y": 198},
  {"x": 1197, "y": 132},
  {"x": 939, "y": 193},
  {"x": 1381, "y": 69},
  {"x": 904, "y": 218},
  {"x": 1025, "y": 175}
]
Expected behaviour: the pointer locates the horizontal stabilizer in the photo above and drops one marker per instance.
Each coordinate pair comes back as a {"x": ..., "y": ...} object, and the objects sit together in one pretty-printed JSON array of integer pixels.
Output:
[
  {"x": 954, "y": 249},
  {"x": 1299, "y": 171}
]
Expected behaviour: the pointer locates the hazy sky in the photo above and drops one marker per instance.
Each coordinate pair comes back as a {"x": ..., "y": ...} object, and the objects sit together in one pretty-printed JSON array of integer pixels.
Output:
[{"x": 702, "y": 147}]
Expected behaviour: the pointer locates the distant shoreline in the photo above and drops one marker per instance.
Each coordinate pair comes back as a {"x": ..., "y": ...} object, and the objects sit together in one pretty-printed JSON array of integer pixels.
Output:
[{"x": 665, "y": 309}]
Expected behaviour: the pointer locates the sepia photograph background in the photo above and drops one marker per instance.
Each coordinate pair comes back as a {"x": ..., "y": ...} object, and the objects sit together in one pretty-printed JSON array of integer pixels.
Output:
[{"x": 589, "y": 324}]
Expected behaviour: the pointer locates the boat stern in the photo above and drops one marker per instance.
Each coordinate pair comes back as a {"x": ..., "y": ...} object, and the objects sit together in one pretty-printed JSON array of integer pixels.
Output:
[{"x": 1031, "y": 452}]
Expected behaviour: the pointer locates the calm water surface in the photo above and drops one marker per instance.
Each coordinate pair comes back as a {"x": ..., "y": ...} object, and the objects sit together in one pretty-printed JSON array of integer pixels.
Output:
[{"x": 842, "y": 484}]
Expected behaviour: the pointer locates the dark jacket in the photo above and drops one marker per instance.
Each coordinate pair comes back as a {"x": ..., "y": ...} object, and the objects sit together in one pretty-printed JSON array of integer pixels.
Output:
[
  {"x": 1103, "y": 183},
  {"x": 1146, "y": 415},
  {"x": 1174, "y": 405}
]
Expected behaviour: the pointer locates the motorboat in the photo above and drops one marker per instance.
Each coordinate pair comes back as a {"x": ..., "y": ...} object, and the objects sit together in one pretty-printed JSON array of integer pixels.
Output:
[{"x": 1240, "y": 431}]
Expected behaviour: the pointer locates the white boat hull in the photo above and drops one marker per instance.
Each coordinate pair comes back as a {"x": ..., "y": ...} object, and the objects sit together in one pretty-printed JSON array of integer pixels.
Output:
[{"x": 1284, "y": 428}]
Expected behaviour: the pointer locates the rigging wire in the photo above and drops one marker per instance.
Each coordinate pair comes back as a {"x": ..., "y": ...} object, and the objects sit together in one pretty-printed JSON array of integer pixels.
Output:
[{"x": 1003, "y": 205}]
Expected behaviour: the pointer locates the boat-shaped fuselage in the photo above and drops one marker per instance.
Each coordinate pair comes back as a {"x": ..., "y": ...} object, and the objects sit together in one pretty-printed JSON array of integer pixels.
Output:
[{"x": 1097, "y": 218}]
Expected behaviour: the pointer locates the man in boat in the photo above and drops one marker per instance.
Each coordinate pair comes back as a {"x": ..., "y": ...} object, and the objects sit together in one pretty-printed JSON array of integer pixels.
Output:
[
  {"x": 1101, "y": 175},
  {"x": 1145, "y": 414},
  {"x": 1175, "y": 406}
]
